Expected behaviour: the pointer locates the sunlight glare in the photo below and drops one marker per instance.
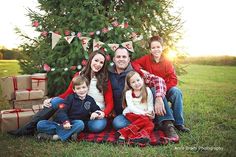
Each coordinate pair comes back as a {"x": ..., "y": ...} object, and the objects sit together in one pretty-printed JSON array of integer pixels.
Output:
[{"x": 171, "y": 55}]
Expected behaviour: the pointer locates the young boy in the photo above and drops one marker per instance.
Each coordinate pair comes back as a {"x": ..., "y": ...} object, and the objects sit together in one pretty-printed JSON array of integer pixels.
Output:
[
  {"x": 158, "y": 65},
  {"x": 76, "y": 110}
]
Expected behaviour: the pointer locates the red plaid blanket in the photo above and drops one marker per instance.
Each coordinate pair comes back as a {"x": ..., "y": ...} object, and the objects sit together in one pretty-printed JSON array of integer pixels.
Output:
[{"x": 109, "y": 135}]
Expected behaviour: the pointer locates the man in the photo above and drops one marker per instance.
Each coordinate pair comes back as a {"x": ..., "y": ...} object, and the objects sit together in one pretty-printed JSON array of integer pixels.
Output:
[{"x": 117, "y": 74}]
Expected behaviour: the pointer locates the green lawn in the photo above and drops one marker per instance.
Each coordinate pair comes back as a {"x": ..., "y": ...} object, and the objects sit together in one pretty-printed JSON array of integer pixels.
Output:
[{"x": 209, "y": 105}]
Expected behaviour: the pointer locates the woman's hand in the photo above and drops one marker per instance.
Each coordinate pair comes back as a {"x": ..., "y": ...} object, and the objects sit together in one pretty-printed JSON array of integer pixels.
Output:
[
  {"x": 47, "y": 103},
  {"x": 67, "y": 125}
]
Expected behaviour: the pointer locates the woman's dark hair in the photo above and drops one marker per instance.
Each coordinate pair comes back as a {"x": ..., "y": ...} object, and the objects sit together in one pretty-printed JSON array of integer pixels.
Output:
[{"x": 101, "y": 75}]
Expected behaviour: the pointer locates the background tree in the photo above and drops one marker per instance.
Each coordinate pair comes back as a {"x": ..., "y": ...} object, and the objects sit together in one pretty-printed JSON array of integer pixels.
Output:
[{"x": 94, "y": 19}]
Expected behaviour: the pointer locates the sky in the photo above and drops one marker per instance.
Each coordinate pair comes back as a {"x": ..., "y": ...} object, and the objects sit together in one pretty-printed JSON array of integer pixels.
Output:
[{"x": 209, "y": 25}]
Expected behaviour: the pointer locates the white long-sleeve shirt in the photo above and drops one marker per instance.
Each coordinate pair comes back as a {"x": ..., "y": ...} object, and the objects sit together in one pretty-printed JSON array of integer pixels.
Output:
[{"x": 135, "y": 106}]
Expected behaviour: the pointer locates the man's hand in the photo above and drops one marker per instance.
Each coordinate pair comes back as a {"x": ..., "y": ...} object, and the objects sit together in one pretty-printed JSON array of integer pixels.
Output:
[
  {"x": 159, "y": 107},
  {"x": 47, "y": 103}
]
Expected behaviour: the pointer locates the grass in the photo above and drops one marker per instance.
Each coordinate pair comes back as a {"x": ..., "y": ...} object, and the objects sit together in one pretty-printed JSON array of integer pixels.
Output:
[
  {"x": 9, "y": 68},
  {"x": 211, "y": 60},
  {"x": 209, "y": 105}
]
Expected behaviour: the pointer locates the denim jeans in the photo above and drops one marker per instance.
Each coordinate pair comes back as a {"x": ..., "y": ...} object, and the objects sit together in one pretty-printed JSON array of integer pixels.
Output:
[
  {"x": 120, "y": 122},
  {"x": 52, "y": 128},
  {"x": 174, "y": 96},
  {"x": 56, "y": 101},
  {"x": 95, "y": 126}
]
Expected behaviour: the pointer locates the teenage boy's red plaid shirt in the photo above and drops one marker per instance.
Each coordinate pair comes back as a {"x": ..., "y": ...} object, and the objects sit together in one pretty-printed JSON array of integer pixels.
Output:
[{"x": 157, "y": 82}]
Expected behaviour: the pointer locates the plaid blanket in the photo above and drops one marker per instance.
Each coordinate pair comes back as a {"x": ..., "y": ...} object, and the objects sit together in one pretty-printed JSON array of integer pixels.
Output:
[{"x": 110, "y": 136}]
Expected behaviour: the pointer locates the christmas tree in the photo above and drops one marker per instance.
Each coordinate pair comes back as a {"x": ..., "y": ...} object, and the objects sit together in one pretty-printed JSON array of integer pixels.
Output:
[{"x": 70, "y": 30}]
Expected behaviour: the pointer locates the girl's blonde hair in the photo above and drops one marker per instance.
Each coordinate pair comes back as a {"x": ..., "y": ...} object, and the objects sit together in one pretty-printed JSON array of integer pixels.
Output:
[{"x": 128, "y": 87}]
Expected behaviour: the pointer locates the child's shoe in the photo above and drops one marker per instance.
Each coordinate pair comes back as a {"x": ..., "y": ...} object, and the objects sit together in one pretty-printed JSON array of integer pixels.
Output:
[{"x": 44, "y": 136}]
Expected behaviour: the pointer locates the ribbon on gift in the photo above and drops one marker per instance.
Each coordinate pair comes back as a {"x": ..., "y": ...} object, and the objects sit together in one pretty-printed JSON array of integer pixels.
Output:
[
  {"x": 39, "y": 80},
  {"x": 15, "y": 85},
  {"x": 17, "y": 110},
  {"x": 29, "y": 90}
]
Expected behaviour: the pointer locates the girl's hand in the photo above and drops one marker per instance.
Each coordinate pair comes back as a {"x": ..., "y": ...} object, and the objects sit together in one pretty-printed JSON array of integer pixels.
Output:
[
  {"x": 93, "y": 116},
  {"x": 151, "y": 115},
  {"x": 67, "y": 125},
  {"x": 47, "y": 103},
  {"x": 101, "y": 114}
]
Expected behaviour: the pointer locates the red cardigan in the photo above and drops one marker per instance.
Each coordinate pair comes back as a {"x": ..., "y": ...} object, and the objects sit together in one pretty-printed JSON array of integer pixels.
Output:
[
  {"x": 163, "y": 69},
  {"x": 107, "y": 96}
]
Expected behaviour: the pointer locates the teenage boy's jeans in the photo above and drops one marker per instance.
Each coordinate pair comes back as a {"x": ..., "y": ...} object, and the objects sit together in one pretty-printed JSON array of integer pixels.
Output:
[
  {"x": 174, "y": 96},
  {"x": 95, "y": 126}
]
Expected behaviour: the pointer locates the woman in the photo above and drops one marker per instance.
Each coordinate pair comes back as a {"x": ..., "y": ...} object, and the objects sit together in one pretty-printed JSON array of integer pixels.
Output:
[{"x": 99, "y": 88}]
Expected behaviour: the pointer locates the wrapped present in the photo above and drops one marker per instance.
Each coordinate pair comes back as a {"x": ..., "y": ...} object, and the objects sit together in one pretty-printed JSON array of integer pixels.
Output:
[
  {"x": 27, "y": 103},
  {"x": 14, "y": 118},
  {"x": 10, "y": 84},
  {"x": 39, "y": 81},
  {"x": 29, "y": 94}
]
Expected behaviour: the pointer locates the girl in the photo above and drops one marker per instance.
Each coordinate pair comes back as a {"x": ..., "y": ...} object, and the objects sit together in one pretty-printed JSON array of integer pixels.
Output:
[{"x": 138, "y": 103}]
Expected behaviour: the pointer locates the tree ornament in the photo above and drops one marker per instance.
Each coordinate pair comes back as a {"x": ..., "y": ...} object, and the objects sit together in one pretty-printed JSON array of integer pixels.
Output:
[
  {"x": 105, "y": 30},
  {"x": 44, "y": 33},
  {"x": 67, "y": 32},
  {"x": 84, "y": 62},
  {"x": 79, "y": 34},
  {"x": 46, "y": 68},
  {"x": 79, "y": 67},
  {"x": 126, "y": 25},
  {"x": 65, "y": 69},
  {"x": 91, "y": 33},
  {"x": 108, "y": 58},
  {"x": 53, "y": 69},
  {"x": 35, "y": 23},
  {"x": 98, "y": 32},
  {"x": 115, "y": 24},
  {"x": 111, "y": 64},
  {"x": 72, "y": 67}
]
